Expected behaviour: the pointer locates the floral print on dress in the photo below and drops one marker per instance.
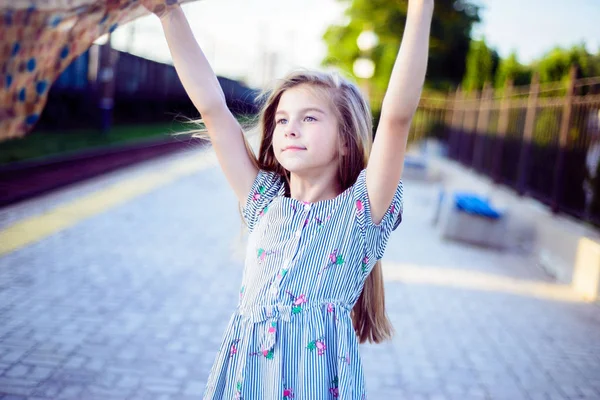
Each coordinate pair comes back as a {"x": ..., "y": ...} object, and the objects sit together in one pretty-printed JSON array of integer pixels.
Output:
[
  {"x": 266, "y": 353},
  {"x": 288, "y": 393},
  {"x": 261, "y": 190},
  {"x": 334, "y": 259},
  {"x": 238, "y": 391},
  {"x": 262, "y": 254},
  {"x": 334, "y": 387},
  {"x": 365, "y": 263},
  {"x": 345, "y": 358},
  {"x": 321, "y": 222},
  {"x": 233, "y": 349},
  {"x": 263, "y": 211},
  {"x": 331, "y": 310},
  {"x": 282, "y": 273},
  {"x": 317, "y": 344},
  {"x": 298, "y": 301},
  {"x": 359, "y": 207}
]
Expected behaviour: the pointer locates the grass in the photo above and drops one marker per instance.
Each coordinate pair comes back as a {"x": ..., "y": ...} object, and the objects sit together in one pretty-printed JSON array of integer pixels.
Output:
[{"x": 38, "y": 145}]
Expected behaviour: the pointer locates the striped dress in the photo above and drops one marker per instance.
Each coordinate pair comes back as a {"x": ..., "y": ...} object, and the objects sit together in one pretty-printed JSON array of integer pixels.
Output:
[{"x": 291, "y": 336}]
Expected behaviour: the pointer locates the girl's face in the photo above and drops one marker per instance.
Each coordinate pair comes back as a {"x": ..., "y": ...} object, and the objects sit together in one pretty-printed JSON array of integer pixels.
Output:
[{"x": 306, "y": 131}]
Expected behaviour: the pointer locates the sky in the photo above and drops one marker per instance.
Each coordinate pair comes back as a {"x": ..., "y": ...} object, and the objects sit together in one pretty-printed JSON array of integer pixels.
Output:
[
  {"x": 240, "y": 37},
  {"x": 531, "y": 28}
]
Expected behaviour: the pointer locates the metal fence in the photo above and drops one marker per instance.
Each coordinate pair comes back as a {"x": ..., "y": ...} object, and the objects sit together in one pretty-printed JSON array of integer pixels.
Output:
[
  {"x": 145, "y": 91},
  {"x": 542, "y": 140}
]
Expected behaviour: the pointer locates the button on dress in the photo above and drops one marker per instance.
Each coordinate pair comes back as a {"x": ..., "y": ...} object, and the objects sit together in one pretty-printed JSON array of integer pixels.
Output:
[{"x": 291, "y": 335}]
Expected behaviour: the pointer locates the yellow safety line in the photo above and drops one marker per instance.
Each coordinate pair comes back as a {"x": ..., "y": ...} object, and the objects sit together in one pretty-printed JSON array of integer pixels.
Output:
[{"x": 36, "y": 228}]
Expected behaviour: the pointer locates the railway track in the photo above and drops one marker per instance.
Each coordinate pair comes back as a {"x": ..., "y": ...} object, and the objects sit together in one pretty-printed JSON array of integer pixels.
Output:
[{"x": 25, "y": 180}]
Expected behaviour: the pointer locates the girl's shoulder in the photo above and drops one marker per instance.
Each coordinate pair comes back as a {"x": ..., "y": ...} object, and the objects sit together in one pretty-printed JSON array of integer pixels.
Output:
[{"x": 267, "y": 185}]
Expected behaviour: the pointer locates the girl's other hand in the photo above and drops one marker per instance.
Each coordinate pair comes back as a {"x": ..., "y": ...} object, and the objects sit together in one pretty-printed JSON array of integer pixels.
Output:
[{"x": 159, "y": 7}]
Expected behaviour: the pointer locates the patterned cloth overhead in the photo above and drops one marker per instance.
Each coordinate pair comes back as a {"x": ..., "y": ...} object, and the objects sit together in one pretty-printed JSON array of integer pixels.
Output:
[
  {"x": 38, "y": 40},
  {"x": 291, "y": 336}
]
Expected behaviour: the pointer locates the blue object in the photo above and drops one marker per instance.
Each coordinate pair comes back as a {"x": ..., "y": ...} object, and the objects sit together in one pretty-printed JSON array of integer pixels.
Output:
[
  {"x": 40, "y": 86},
  {"x": 55, "y": 21},
  {"x": 64, "y": 52},
  {"x": 31, "y": 64},
  {"x": 15, "y": 49},
  {"x": 476, "y": 205},
  {"x": 31, "y": 119}
]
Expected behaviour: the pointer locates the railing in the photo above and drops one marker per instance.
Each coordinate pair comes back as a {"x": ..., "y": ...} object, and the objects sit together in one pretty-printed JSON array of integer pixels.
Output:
[{"x": 543, "y": 140}]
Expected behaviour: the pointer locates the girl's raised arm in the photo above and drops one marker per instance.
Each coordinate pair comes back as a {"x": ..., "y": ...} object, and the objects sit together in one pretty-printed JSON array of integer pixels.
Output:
[
  {"x": 399, "y": 105},
  {"x": 202, "y": 86}
]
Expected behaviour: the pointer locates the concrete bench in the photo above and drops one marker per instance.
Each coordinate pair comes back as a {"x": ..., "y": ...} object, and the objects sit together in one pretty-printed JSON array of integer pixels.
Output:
[{"x": 470, "y": 218}]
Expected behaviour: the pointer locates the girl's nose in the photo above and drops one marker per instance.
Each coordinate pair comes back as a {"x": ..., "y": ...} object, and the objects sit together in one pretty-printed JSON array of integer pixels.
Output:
[{"x": 291, "y": 131}]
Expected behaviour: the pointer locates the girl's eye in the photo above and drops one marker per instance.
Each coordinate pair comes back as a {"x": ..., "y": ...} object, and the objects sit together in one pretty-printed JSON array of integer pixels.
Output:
[{"x": 284, "y": 121}]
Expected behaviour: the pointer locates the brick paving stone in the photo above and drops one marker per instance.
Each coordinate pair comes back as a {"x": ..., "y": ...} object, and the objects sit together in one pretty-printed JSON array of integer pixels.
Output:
[
  {"x": 24, "y": 382},
  {"x": 71, "y": 392},
  {"x": 75, "y": 361},
  {"x": 44, "y": 358},
  {"x": 74, "y": 376},
  {"x": 99, "y": 391},
  {"x": 193, "y": 389},
  {"x": 48, "y": 389},
  {"x": 17, "y": 371},
  {"x": 12, "y": 356},
  {"x": 128, "y": 382}
]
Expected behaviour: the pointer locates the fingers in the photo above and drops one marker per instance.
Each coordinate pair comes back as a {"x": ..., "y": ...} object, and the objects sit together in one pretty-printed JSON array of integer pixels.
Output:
[{"x": 161, "y": 8}]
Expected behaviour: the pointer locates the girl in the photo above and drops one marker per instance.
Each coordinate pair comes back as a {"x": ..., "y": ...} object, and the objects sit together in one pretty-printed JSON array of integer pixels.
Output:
[{"x": 318, "y": 214}]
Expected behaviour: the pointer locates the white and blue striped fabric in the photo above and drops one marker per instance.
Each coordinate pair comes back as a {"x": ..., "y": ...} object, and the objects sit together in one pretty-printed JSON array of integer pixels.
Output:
[{"x": 291, "y": 336}]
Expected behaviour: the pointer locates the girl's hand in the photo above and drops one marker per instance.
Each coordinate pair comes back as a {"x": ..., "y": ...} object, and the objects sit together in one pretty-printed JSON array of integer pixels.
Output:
[{"x": 160, "y": 7}]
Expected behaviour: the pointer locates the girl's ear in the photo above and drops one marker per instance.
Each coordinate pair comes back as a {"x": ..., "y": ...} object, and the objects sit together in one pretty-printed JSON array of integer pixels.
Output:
[{"x": 343, "y": 148}]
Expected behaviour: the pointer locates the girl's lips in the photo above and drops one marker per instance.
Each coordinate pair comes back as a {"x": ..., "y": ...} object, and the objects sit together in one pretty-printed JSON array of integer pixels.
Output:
[{"x": 294, "y": 148}]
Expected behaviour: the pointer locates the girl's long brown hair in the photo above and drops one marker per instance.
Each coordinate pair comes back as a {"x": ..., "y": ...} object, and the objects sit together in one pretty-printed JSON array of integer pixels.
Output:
[{"x": 356, "y": 133}]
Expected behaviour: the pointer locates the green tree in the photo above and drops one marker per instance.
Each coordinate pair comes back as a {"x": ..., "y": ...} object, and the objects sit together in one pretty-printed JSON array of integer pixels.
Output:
[
  {"x": 449, "y": 40},
  {"x": 482, "y": 63},
  {"x": 554, "y": 65},
  {"x": 511, "y": 68}
]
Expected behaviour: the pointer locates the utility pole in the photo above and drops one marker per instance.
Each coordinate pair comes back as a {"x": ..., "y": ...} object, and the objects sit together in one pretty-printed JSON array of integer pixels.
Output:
[
  {"x": 106, "y": 79},
  {"x": 132, "y": 34}
]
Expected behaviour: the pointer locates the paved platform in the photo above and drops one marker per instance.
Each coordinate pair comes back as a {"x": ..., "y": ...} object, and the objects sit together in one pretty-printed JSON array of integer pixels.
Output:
[{"x": 128, "y": 299}]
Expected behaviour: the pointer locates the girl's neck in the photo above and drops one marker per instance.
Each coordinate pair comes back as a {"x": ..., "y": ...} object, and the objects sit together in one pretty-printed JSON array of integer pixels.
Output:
[{"x": 312, "y": 187}]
